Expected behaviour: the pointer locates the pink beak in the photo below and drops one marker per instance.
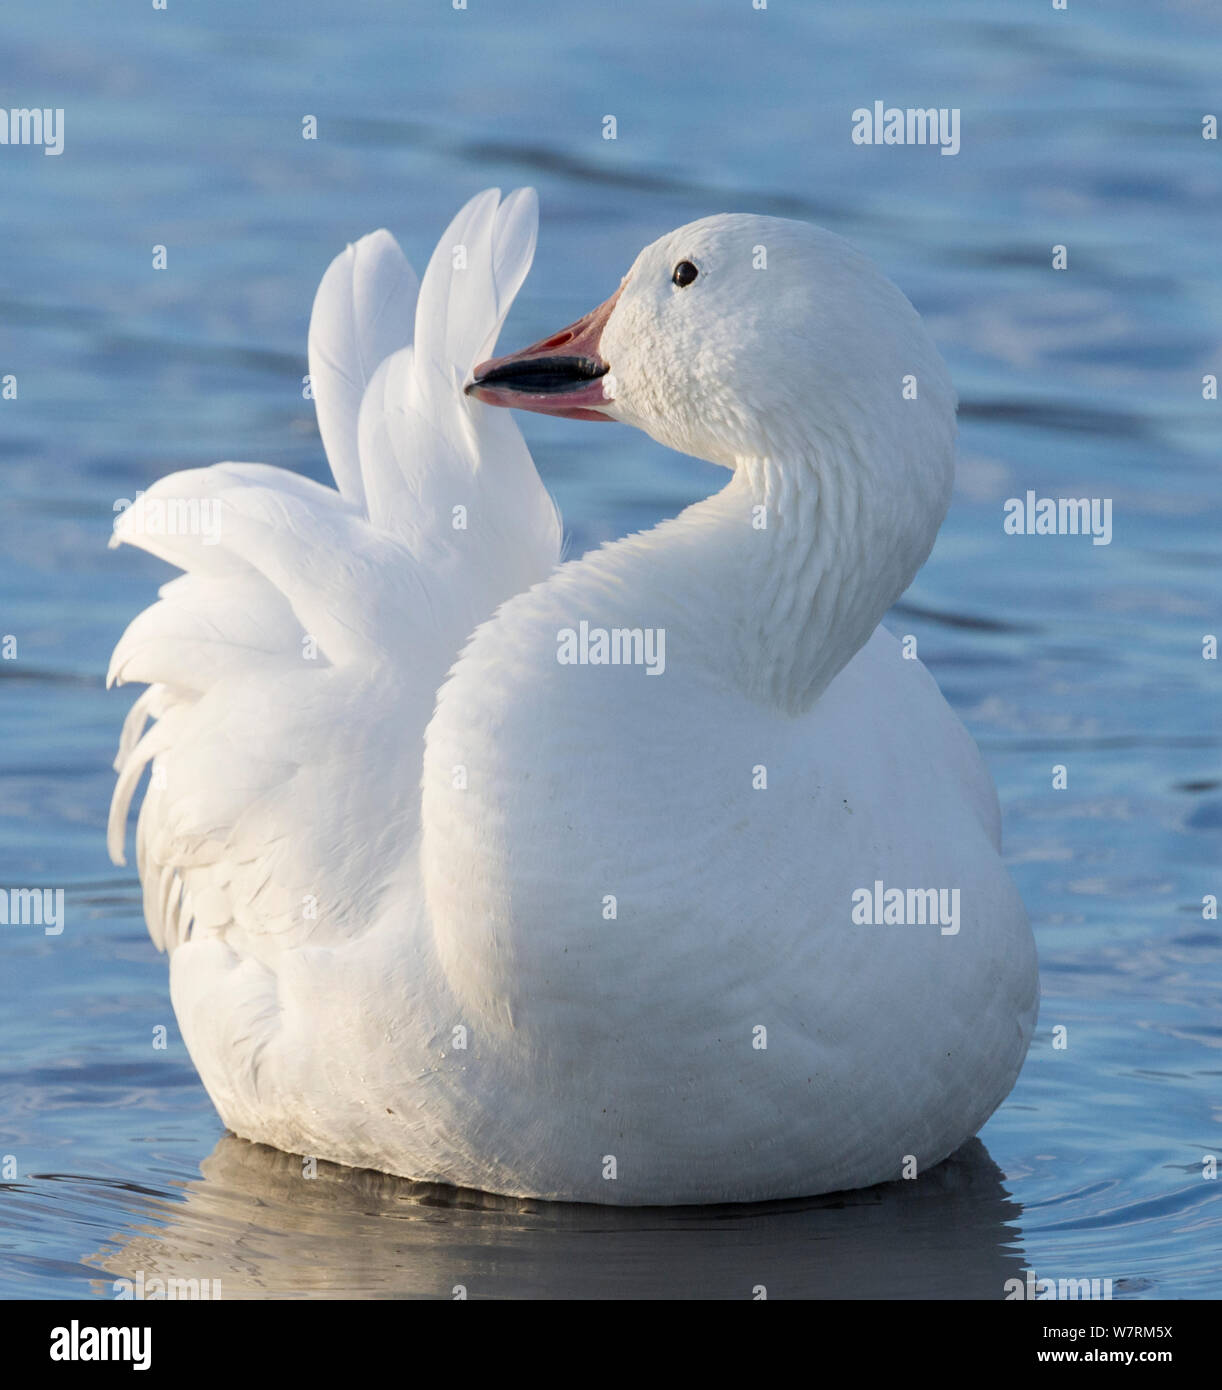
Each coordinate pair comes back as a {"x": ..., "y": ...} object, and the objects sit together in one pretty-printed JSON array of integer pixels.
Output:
[{"x": 563, "y": 375}]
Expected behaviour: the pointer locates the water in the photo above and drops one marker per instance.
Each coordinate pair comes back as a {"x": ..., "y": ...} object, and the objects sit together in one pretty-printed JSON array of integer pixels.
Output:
[{"x": 1081, "y": 129}]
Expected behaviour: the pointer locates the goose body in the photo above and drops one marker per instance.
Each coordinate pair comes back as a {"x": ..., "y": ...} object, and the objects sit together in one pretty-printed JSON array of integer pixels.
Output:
[{"x": 444, "y": 899}]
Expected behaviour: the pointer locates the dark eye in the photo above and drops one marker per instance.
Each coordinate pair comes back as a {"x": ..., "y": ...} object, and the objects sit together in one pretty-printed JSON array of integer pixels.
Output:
[{"x": 685, "y": 273}]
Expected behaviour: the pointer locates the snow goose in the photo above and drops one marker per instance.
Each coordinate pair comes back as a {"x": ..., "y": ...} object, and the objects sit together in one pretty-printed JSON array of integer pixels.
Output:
[{"x": 659, "y": 876}]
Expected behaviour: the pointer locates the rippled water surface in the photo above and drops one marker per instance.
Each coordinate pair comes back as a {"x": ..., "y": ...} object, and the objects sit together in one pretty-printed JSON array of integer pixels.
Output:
[{"x": 1081, "y": 129}]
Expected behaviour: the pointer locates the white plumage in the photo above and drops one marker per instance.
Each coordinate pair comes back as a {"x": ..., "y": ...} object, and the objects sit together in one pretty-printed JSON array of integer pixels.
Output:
[{"x": 519, "y": 929}]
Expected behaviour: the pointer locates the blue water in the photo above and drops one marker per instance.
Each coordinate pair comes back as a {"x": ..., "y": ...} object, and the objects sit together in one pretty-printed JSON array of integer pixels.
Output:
[{"x": 1083, "y": 128}]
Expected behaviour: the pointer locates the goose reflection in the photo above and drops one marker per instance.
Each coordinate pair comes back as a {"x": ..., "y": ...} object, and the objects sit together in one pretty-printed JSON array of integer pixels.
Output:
[{"x": 257, "y": 1224}]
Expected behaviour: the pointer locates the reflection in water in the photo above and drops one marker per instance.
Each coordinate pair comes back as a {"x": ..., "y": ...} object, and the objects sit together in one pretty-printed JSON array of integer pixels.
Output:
[{"x": 253, "y": 1222}]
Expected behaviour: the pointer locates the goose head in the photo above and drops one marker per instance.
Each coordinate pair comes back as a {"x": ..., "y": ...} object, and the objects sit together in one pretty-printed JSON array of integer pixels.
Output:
[
  {"x": 742, "y": 337},
  {"x": 778, "y": 350}
]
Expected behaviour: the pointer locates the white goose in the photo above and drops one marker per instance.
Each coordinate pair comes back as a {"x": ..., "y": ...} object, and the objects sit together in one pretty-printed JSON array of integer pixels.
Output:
[{"x": 574, "y": 930}]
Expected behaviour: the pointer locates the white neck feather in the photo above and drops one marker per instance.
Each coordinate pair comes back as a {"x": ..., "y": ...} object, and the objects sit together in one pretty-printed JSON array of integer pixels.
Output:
[
  {"x": 805, "y": 605},
  {"x": 798, "y": 562}
]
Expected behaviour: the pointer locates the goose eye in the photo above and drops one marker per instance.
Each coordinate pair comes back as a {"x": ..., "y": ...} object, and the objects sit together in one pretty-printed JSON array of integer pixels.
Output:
[{"x": 685, "y": 273}]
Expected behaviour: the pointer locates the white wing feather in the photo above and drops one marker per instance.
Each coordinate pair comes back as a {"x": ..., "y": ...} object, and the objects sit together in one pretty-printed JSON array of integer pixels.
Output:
[
  {"x": 363, "y": 312},
  {"x": 292, "y": 669}
]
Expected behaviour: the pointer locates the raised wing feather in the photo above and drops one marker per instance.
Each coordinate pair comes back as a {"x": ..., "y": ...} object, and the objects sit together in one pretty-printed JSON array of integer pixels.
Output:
[
  {"x": 293, "y": 667},
  {"x": 363, "y": 311}
]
